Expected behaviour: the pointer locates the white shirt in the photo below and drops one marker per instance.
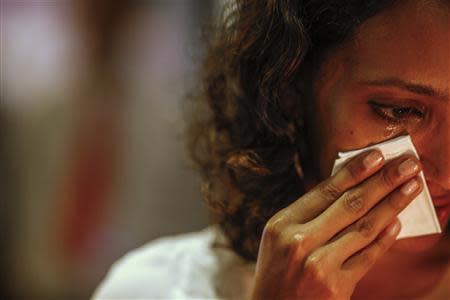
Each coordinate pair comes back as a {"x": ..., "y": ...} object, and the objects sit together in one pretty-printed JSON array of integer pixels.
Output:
[
  {"x": 180, "y": 267},
  {"x": 189, "y": 267}
]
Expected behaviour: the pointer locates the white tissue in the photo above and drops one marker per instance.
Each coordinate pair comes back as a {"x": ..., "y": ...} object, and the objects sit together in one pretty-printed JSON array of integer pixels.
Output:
[{"x": 419, "y": 217}]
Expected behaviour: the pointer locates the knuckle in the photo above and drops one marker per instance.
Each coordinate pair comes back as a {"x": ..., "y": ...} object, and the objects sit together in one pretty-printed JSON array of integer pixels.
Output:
[
  {"x": 367, "y": 258},
  {"x": 381, "y": 245},
  {"x": 273, "y": 229},
  {"x": 330, "y": 190},
  {"x": 395, "y": 202},
  {"x": 297, "y": 239},
  {"x": 316, "y": 271},
  {"x": 285, "y": 246},
  {"x": 313, "y": 266},
  {"x": 388, "y": 178},
  {"x": 300, "y": 239},
  {"x": 353, "y": 202},
  {"x": 366, "y": 227}
]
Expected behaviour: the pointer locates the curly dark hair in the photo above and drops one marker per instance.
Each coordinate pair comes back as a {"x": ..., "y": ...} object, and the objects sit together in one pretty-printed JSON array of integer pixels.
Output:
[{"x": 248, "y": 136}]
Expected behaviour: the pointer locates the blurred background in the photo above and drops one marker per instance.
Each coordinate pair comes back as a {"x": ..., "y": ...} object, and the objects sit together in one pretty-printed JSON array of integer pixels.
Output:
[{"x": 91, "y": 117}]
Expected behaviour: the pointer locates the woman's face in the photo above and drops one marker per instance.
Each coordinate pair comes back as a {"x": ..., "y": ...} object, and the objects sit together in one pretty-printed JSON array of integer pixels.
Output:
[{"x": 392, "y": 79}]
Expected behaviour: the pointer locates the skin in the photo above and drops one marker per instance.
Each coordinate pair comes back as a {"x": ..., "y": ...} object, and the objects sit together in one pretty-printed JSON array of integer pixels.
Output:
[
  {"x": 382, "y": 50},
  {"x": 338, "y": 240}
]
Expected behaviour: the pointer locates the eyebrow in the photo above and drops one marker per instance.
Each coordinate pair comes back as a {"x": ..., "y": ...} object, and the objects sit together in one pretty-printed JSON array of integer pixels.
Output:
[{"x": 419, "y": 89}]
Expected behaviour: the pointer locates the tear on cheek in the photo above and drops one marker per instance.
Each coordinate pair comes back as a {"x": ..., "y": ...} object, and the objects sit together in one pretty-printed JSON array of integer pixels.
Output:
[{"x": 391, "y": 130}]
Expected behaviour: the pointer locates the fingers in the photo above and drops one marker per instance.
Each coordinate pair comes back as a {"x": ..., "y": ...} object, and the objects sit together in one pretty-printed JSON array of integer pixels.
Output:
[
  {"x": 320, "y": 265},
  {"x": 356, "y": 202},
  {"x": 366, "y": 229},
  {"x": 360, "y": 263},
  {"x": 317, "y": 217},
  {"x": 322, "y": 196}
]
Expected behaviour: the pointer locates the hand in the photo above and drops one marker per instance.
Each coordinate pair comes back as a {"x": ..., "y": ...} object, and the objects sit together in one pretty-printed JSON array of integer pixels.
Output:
[{"x": 321, "y": 245}]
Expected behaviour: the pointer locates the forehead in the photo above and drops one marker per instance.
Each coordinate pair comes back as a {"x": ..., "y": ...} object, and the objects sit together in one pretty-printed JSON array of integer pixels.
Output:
[{"x": 409, "y": 41}]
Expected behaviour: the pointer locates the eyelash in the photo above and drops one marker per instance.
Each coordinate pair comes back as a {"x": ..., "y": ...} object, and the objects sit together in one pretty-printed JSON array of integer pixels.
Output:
[{"x": 396, "y": 113}]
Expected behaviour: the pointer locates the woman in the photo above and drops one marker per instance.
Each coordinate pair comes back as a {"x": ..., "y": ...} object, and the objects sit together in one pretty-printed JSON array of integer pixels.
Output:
[{"x": 289, "y": 84}]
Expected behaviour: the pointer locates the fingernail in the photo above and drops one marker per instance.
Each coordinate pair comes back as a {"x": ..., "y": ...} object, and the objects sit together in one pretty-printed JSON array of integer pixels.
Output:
[
  {"x": 408, "y": 167},
  {"x": 373, "y": 159},
  {"x": 394, "y": 229},
  {"x": 410, "y": 187}
]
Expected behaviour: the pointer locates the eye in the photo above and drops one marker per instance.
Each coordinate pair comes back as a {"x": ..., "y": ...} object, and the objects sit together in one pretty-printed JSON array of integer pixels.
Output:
[{"x": 397, "y": 113}]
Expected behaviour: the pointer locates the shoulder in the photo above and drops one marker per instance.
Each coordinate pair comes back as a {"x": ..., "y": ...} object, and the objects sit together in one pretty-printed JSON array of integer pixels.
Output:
[{"x": 163, "y": 268}]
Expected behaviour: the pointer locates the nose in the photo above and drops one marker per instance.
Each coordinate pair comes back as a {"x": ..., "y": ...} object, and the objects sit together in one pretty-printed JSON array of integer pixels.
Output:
[{"x": 435, "y": 157}]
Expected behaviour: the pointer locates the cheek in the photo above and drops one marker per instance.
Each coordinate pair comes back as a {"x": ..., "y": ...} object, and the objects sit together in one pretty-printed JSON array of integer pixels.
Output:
[{"x": 348, "y": 127}]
